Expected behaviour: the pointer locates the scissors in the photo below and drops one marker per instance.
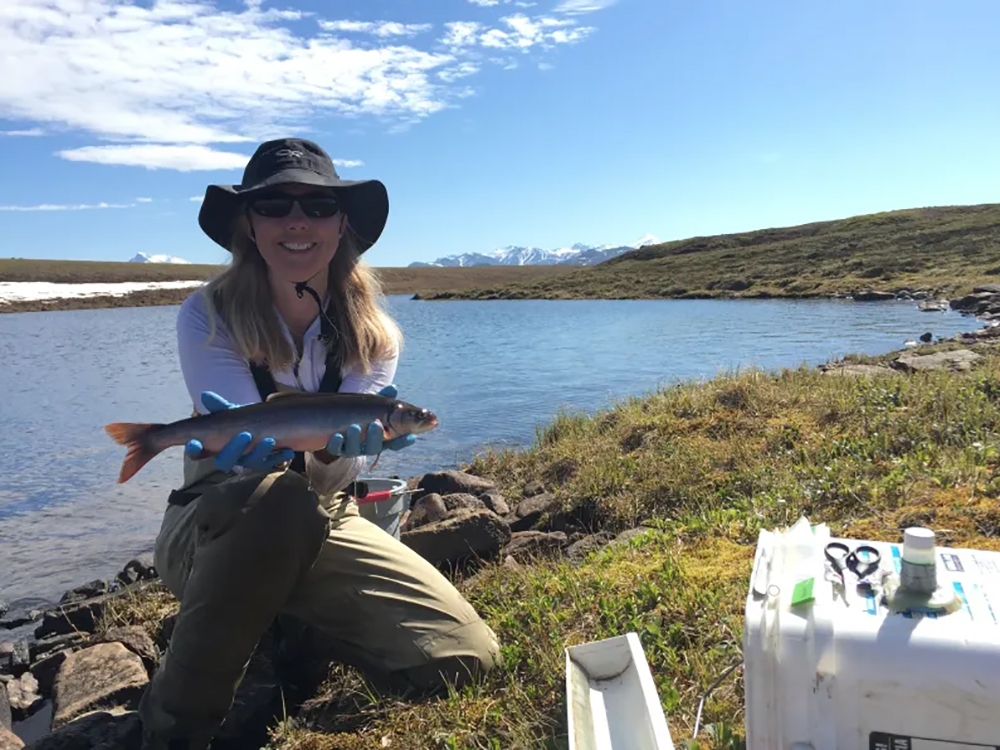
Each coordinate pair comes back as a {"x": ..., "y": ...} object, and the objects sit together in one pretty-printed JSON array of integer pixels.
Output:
[{"x": 863, "y": 560}]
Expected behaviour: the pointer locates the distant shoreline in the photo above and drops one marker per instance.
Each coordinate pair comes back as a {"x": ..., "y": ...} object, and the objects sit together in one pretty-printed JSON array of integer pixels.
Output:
[{"x": 422, "y": 281}]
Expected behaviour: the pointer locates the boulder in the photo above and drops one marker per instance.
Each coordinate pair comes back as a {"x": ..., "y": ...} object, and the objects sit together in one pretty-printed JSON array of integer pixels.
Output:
[
  {"x": 428, "y": 509},
  {"x": 6, "y": 719},
  {"x": 971, "y": 302},
  {"x": 104, "y": 676},
  {"x": 9, "y": 740},
  {"x": 448, "y": 482},
  {"x": 457, "y": 500},
  {"x": 466, "y": 533},
  {"x": 56, "y": 643},
  {"x": 23, "y": 696},
  {"x": 872, "y": 296},
  {"x": 531, "y": 510},
  {"x": 858, "y": 370},
  {"x": 15, "y": 657},
  {"x": 45, "y": 670},
  {"x": 959, "y": 360},
  {"x": 579, "y": 549},
  {"x": 496, "y": 502},
  {"x": 21, "y": 618},
  {"x": 100, "y": 730},
  {"x": 525, "y": 546},
  {"x": 532, "y": 488},
  {"x": 136, "y": 640},
  {"x": 137, "y": 569},
  {"x": 75, "y": 616}
]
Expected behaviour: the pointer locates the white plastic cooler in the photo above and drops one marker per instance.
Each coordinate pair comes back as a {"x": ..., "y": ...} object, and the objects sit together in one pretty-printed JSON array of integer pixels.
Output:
[{"x": 846, "y": 672}]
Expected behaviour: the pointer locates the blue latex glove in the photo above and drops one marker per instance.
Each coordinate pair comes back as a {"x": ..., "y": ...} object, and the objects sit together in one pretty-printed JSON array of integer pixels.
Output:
[
  {"x": 350, "y": 445},
  {"x": 262, "y": 458}
]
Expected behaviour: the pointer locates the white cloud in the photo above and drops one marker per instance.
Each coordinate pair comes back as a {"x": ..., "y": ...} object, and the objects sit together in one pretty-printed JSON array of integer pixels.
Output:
[
  {"x": 159, "y": 156},
  {"x": 30, "y": 133},
  {"x": 143, "y": 200},
  {"x": 583, "y": 6},
  {"x": 169, "y": 84},
  {"x": 65, "y": 207},
  {"x": 197, "y": 198},
  {"x": 378, "y": 28},
  {"x": 486, "y": 3}
]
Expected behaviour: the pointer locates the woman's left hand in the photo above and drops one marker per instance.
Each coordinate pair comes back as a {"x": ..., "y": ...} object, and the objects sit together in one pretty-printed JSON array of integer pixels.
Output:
[{"x": 350, "y": 445}]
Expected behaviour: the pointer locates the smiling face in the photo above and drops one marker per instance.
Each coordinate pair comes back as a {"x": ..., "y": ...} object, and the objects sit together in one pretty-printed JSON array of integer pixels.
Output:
[{"x": 296, "y": 244}]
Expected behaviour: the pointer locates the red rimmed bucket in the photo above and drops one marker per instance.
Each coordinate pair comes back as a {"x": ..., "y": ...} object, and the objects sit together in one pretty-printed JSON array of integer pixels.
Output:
[{"x": 384, "y": 503}]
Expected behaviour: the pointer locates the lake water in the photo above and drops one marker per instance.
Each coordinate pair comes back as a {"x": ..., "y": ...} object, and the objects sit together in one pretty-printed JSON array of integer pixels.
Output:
[{"x": 492, "y": 371}]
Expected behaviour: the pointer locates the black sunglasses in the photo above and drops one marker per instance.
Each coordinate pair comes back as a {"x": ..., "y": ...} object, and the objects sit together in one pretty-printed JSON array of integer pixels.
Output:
[{"x": 278, "y": 206}]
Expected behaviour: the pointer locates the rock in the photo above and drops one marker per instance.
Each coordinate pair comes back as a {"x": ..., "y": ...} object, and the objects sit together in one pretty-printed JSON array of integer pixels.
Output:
[
  {"x": 457, "y": 500},
  {"x": 9, "y": 740},
  {"x": 15, "y": 657},
  {"x": 136, "y": 640},
  {"x": 971, "y": 302},
  {"x": 100, "y": 730},
  {"x": 532, "y": 488},
  {"x": 627, "y": 536},
  {"x": 6, "y": 720},
  {"x": 53, "y": 644},
  {"x": 496, "y": 502},
  {"x": 987, "y": 289},
  {"x": 428, "y": 509},
  {"x": 137, "y": 569},
  {"x": 21, "y": 619},
  {"x": 929, "y": 305},
  {"x": 959, "y": 360},
  {"x": 872, "y": 296},
  {"x": 448, "y": 482},
  {"x": 531, "y": 510},
  {"x": 23, "y": 696},
  {"x": 927, "y": 337},
  {"x": 98, "y": 677},
  {"x": 479, "y": 533},
  {"x": 579, "y": 549},
  {"x": 4, "y": 606},
  {"x": 90, "y": 590},
  {"x": 80, "y": 616},
  {"x": 525, "y": 546},
  {"x": 858, "y": 369},
  {"x": 45, "y": 671}
]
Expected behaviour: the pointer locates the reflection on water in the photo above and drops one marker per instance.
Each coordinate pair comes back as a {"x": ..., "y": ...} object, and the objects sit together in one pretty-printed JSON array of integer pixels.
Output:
[{"x": 491, "y": 371}]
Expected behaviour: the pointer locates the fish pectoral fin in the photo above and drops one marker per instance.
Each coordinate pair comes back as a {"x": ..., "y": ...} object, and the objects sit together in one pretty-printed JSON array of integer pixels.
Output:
[{"x": 375, "y": 462}]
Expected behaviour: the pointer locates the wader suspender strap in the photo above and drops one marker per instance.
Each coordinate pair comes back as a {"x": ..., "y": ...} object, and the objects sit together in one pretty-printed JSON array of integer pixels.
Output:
[{"x": 329, "y": 384}]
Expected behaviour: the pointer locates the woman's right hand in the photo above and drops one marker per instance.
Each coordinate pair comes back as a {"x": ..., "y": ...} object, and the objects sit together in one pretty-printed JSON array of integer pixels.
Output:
[{"x": 262, "y": 458}]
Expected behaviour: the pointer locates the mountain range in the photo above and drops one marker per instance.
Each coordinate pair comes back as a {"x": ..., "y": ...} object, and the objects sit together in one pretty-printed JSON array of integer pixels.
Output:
[
  {"x": 146, "y": 258},
  {"x": 575, "y": 255}
]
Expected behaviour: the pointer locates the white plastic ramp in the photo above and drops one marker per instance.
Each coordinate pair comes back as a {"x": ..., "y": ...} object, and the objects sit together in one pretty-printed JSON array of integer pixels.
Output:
[{"x": 611, "y": 700}]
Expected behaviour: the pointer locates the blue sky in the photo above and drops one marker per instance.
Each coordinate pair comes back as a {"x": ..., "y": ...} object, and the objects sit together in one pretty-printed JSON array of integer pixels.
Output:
[{"x": 493, "y": 122}]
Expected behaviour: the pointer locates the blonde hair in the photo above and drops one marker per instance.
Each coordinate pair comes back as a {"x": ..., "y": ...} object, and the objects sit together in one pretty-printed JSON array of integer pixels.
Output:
[{"x": 241, "y": 296}]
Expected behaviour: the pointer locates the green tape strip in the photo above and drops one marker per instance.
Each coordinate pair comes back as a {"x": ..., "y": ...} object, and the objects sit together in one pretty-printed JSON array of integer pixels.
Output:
[{"x": 803, "y": 592}]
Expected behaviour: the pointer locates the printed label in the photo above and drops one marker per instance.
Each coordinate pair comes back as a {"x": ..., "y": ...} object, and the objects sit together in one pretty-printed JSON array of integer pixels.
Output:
[
  {"x": 886, "y": 741},
  {"x": 987, "y": 565},
  {"x": 952, "y": 563}
]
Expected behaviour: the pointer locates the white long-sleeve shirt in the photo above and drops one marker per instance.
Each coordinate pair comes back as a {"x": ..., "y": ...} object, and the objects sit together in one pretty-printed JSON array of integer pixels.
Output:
[{"x": 218, "y": 366}]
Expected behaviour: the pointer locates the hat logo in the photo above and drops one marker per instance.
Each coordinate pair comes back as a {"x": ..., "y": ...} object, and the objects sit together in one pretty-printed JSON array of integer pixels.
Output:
[{"x": 289, "y": 152}]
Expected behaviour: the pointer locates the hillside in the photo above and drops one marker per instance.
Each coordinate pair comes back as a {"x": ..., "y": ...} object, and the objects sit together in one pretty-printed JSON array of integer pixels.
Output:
[{"x": 943, "y": 250}]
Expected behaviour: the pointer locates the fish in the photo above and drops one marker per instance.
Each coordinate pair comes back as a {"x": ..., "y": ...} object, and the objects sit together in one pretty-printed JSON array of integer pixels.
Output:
[{"x": 297, "y": 420}]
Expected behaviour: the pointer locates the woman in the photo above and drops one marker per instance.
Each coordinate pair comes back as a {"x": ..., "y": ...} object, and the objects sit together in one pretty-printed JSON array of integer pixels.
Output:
[{"x": 254, "y": 534}]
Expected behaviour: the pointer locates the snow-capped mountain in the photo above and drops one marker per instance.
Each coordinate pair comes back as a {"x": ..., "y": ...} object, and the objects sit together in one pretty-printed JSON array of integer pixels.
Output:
[
  {"x": 576, "y": 255},
  {"x": 145, "y": 258}
]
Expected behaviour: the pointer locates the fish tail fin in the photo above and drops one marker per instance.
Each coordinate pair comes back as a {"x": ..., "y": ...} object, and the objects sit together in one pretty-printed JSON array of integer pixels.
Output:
[
  {"x": 137, "y": 437},
  {"x": 375, "y": 462}
]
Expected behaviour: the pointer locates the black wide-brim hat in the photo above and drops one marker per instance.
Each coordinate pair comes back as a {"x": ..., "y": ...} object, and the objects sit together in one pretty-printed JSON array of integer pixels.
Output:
[{"x": 366, "y": 202}]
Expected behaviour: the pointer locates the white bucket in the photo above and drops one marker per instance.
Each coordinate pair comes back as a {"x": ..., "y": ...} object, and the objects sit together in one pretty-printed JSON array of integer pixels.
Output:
[{"x": 385, "y": 503}]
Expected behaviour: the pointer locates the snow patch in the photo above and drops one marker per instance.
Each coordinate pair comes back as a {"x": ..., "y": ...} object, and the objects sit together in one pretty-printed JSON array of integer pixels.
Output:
[{"x": 25, "y": 291}]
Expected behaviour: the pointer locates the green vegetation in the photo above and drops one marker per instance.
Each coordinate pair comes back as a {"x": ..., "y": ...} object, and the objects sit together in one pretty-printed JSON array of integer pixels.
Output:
[{"x": 946, "y": 251}]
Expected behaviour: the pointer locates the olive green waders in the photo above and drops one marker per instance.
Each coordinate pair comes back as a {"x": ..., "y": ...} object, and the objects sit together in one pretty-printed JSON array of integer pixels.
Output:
[{"x": 253, "y": 546}]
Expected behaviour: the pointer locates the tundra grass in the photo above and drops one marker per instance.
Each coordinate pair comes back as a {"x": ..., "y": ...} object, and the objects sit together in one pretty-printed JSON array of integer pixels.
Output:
[
  {"x": 945, "y": 251},
  {"x": 700, "y": 467}
]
